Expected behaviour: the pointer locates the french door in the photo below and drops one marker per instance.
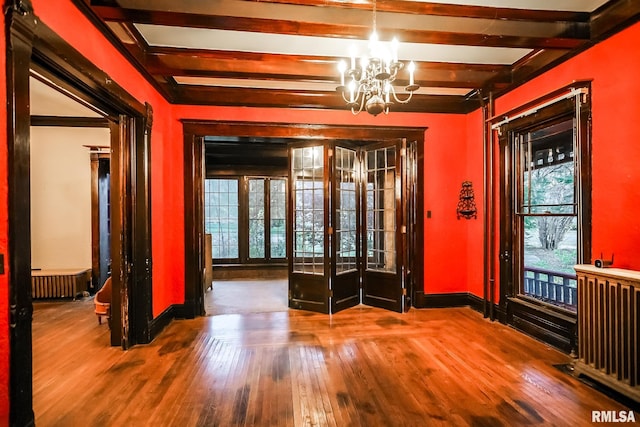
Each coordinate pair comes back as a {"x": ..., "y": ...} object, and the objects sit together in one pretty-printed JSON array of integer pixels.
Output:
[{"x": 351, "y": 209}]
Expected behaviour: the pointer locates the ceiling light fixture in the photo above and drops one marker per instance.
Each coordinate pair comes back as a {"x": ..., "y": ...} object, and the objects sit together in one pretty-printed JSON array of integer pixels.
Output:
[{"x": 370, "y": 83}]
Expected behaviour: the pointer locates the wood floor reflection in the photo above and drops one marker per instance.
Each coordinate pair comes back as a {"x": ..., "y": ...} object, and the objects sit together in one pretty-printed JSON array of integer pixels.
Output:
[{"x": 361, "y": 367}]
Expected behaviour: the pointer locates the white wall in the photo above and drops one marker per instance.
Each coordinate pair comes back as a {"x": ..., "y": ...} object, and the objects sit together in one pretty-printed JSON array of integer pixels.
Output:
[{"x": 61, "y": 195}]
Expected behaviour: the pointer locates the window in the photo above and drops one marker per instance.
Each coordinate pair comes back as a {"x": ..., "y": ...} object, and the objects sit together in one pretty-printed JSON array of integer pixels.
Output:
[
  {"x": 546, "y": 205},
  {"x": 221, "y": 217},
  {"x": 237, "y": 217},
  {"x": 548, "y": 212},
  {"x": 278, "y": 218}
]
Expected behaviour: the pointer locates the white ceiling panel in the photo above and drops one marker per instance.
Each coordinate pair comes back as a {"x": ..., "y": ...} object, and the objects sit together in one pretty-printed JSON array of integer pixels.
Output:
[{"x": 198, "y": 38}]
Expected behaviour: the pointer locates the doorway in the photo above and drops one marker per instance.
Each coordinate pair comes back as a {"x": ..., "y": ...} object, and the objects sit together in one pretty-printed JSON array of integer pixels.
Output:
[
  {"x": 31, "y": 45},
  {"x": 351, "y": 208},
  {"x": 411, "y": 240}
]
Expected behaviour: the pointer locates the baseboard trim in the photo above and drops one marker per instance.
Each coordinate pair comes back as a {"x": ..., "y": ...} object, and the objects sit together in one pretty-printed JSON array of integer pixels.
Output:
[
  {"x": 162, "y": 321},
  {"x": 454, "y": 299}
]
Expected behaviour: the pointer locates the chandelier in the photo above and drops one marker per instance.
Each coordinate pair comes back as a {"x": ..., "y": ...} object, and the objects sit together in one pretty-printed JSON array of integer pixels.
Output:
[{"x": 370, "y": 83}]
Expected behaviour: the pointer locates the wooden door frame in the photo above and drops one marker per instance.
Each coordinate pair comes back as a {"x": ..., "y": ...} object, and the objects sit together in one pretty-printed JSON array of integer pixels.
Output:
[
  {"x": 30, "y": 44},
  {"x": 194, "y": 132}
]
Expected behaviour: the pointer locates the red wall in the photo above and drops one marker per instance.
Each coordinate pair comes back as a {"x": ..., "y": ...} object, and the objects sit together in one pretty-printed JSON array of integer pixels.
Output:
[
  {"x": 613, "y": 65},
  {"x": 4, "y": 246},
  {"x": 446, "y": 157},
  {"x": 453, "y": 154},
  {"x": 166, "y": 147}
]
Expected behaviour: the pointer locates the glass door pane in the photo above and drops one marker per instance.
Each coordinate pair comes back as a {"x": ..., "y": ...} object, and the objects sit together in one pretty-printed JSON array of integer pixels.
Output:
[
  {"x": 345, "y": 247},
  {"x": 381, "y": 210},
  {"x": 308, "y": 202},
  {"x": 346, "y": 213}
]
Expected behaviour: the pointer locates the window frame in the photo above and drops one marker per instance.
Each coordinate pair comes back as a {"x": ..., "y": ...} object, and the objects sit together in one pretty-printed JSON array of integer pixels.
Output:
[
  {"x": 552, "y": 324},
  {"x": 243, "y": 219}
]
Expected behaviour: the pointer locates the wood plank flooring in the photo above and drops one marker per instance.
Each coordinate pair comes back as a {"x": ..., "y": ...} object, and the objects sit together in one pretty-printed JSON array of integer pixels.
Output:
[{"x": 362, "y": 367}]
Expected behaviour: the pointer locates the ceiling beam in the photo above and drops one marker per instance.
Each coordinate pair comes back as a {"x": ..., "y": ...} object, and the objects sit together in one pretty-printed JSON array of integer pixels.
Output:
[
  {"x": 271, "y": 98},
  {"x": 245, "y": 65},
  {"x": 480, "y": 33},
  {"x": 442, "y": 9}
]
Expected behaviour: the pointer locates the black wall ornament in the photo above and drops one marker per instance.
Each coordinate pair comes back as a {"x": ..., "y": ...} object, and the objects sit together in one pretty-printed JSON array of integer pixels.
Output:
[{"x": 467, "y": 206}]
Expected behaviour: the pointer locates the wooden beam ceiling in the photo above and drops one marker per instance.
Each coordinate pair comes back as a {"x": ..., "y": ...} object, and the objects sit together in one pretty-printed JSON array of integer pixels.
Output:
[{"x": 199, "y": 76}]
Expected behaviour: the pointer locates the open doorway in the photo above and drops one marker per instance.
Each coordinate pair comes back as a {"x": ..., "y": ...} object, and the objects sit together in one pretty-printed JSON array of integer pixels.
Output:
[
  {"x": 245, "y": 215},
  {"x": 244, "y": 134},
  {"x": 31, "y": 45}
]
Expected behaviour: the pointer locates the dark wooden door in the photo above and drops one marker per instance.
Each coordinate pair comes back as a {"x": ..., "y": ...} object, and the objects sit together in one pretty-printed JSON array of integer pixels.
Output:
[
  {"x": 384, "y": 230},
  {"x": 345, "y": 227},
  {"x": 309, "y": 267}
]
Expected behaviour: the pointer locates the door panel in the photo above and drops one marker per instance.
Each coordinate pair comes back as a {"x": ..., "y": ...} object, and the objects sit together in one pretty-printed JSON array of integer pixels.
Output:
[
  {"x": 383, "y": 273},
  {"x": 350, "y": 213},
  {"x": 345, "y": 220},
  {"x": 308, "y": 244}
]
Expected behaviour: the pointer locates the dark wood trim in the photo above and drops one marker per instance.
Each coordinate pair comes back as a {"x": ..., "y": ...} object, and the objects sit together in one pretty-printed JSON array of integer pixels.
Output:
[
  {"x": 162, "y": 320},
  {"x": 548, "y": 323},
  {"x": 141, "y": 292},
  {"x": 456, "y": 299},
  {"x": 297, "y": 131},
  {"x": 88, "y": 12},
  {"x": 20, "y": 29},
  {"x": 542, "y": 322},
  {"x": 303, "y": 133},
  {"x": 33, "y": 45},
  {"x": 71, "y": 122},
  {"x": 193, "y": 224},
  {"x": 441, "y": 9},
  {"x": 572, "y": 35}
]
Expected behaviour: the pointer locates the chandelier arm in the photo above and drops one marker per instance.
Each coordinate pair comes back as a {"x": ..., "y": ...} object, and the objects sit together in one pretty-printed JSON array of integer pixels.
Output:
[
  {"x": 398, "y": 100},
  {"x": 362, "y": 98}
]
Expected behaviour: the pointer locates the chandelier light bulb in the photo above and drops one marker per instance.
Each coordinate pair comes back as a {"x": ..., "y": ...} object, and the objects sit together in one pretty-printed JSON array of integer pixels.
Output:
[{"x": 342, "y": 67}]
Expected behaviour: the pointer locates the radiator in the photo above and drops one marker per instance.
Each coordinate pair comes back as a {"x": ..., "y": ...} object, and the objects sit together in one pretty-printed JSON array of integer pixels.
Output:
[
  {"x": 58, "y": 283},
  {"x": 609, "y": 327}
]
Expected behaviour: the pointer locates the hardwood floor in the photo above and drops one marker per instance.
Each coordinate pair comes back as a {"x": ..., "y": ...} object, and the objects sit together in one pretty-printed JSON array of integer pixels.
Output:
[
  {"x": 361, "y": 367},
  {"x": 243, "y": 296}
]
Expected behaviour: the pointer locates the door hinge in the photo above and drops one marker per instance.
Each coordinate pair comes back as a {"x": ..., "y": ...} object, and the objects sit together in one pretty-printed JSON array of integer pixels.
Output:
[
  {"x": 330, "y": 230},
  {"x": 330, "y": 293},
  {"x": 403, "y": 152},
  {"x": 330, "y": 152},
  {"x": 403, "y": 229},
  {"x": 404, "y": 292}
]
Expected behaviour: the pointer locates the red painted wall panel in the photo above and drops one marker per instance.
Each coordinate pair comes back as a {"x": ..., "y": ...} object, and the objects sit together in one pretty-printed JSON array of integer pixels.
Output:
[
  {"x": 166, "y": 146},
  {"x": 475, "y": 230},
  {"x": 613, "y": 65},
  {"x": 445, "y": 169},
  {"x": 4, "y": 246}
]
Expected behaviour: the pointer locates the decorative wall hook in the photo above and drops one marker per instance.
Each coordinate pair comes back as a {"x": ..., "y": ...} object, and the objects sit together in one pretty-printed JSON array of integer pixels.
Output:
[{"x": 467, "y": 206}]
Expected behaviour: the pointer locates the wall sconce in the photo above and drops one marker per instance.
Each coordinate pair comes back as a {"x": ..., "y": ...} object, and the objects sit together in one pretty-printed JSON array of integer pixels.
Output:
[{"x": 467, "y": 206}]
